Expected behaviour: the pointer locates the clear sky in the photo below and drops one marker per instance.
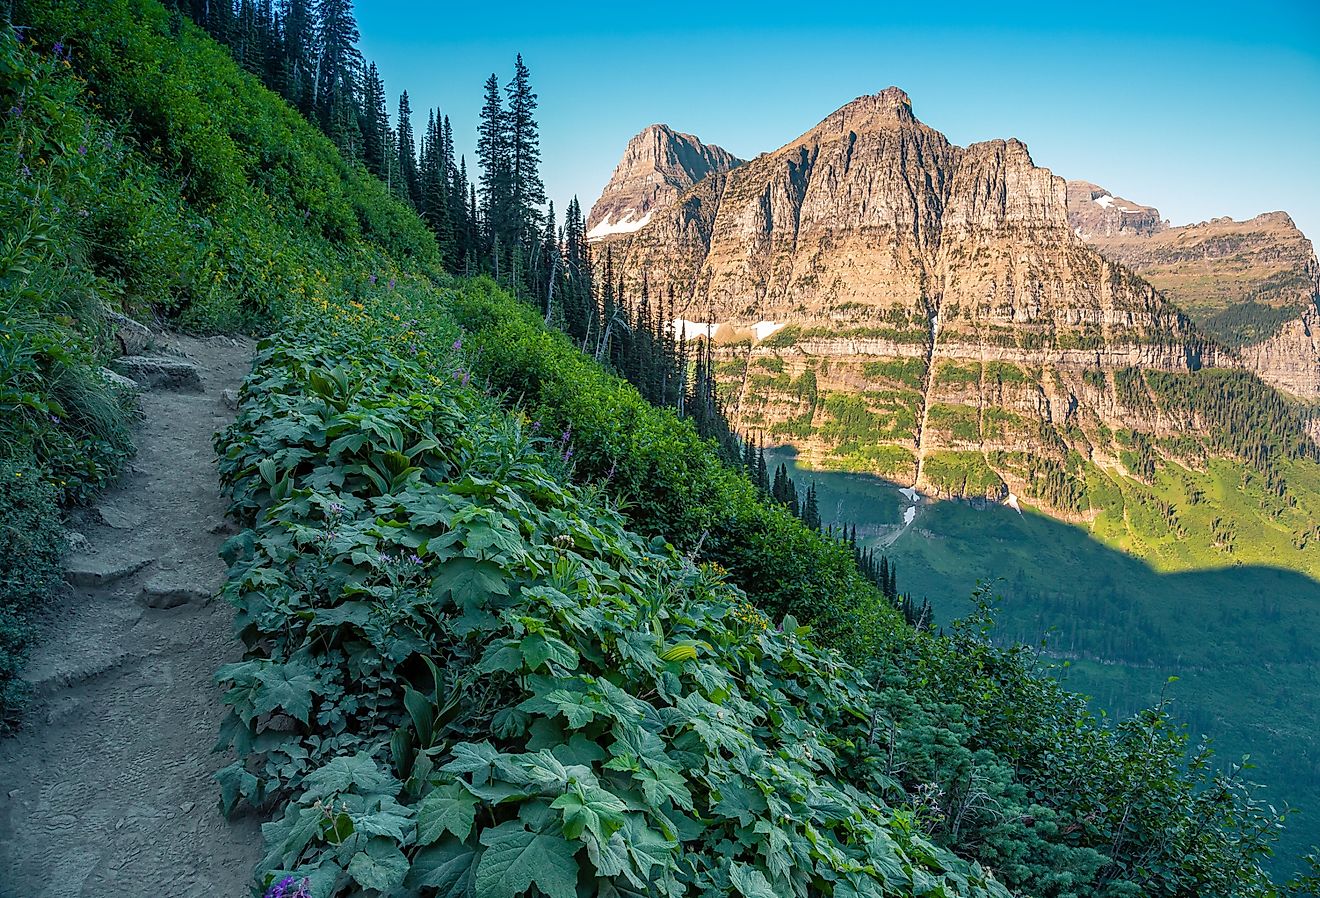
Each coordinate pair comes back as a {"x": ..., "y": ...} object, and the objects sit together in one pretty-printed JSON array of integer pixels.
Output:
[{"x": 1201, "y": 109}]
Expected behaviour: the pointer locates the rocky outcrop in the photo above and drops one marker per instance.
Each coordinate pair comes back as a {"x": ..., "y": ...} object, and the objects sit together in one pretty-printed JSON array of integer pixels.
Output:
[
  {"x": 1095, "y": 213},
  {"x": 888, "y": 301},
  {"x": 1254, "y": 284},
  {"x": 657, "y": 165},
  {"x": 875, "y": 221}
]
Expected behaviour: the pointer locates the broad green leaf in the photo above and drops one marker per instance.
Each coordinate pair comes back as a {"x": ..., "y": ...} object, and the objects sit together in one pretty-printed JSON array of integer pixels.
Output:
[
  {"x": 470, "y": 581},
  {"x": 286, "y": 686},
  {"x": 590, "y": 809},
  {"x": 515, "y": 859},
  {"x": 537, "y": 649},
  {"x": 448, "y": 808},
  {"x": 750, "y": 881},
  {"x": 382, "y": 866},
  {"x": 449, "y": 867}
]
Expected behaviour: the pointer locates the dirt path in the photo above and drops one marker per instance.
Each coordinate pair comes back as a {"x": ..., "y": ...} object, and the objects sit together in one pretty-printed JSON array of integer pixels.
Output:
[{"x": 107, "y": 790}]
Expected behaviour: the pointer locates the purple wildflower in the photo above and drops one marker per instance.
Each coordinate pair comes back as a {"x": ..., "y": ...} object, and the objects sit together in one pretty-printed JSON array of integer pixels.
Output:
[
  {"x": 458, "y": 344},
  {"x": 336, "y": 508},
  {"x": 82, "y": 150},
  {"x": 391, "y": 284},
  {"x": 285, "y": 888},
  {"x": 16, "y": 111},
  {"x": 567, "y": 435},
  {"x": 54, "y": 419},
  {"x": 467, "y": 376},
  {"x": 536, "y": 426},
  {"x": 27, "y": 172},
  {"x": 382, "y": 558},
  {"x": 371, "y": 278},
  {"x": 568, "y": 453},
  {"x": 58, "y": 48},
  {"x": 415, "y": 559}
]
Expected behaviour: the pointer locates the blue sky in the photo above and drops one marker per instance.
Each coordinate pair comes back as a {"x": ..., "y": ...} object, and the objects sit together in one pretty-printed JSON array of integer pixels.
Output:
[{"x": 1201, "y": 109}]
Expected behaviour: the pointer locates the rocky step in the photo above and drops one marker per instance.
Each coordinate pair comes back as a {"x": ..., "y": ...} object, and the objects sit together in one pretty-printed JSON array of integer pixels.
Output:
[
  {"x": 161, "y": 372},
  {"x": 92, "y": 573}
]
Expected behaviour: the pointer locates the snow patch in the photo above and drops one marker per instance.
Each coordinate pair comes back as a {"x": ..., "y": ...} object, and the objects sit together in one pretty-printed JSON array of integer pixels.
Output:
[
  {"x": 911, "y": 494},
  {"x": 690, "y": 330},
  {"x": 626, "y": 226},
  {"x": 1012, "y": 502},
  {"x": 909, "y": 514},
  {"x": 1104, "y": 202},
  {"x": 763, "y": 329}
]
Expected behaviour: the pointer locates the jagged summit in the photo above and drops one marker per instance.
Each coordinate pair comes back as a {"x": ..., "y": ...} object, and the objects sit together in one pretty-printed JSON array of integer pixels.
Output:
[
  {"x": 658, "y": 164},
  {"x": 891, "y": 106}
]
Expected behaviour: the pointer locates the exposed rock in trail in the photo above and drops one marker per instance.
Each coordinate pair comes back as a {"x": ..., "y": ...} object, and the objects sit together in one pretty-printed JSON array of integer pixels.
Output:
[
  {"x": 159, "y": 371},
  {"x": 108, "y": 789},
  {"x": 101, "y": 572},
  {"x": 133, "y": 337},
  {"x": 120, "y": 380}
]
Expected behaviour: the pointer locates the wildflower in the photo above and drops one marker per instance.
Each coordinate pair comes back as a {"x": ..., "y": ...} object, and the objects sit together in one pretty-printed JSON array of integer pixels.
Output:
[
  {"x": 54, "y": 419},
  {"x": 371, "y": 278},
  {"x": 458, "y": 344},
  {"x": 567, "y": 435},
  {"x": 27, "y": 172},
  {"x": 58, "y": 48},
  {"x": 336, "y": 508},
  {"x": 536, "y": 426},
  {"x": 82, "y": 150},
  {"x": 415, "y": 559},
  {"x": 16, "y": 111},
  {"x": 467, "y": 376},
  {"x": 391, "y": 284},
  {"x": 382, "y": 558}
]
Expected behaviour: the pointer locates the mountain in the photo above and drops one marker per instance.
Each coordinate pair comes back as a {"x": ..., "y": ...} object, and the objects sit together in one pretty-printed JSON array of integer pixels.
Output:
[
  {"x": 658, "y": 164},
  {"x": 890, "y": 302},
  {"x": 1254, "y": 284}
]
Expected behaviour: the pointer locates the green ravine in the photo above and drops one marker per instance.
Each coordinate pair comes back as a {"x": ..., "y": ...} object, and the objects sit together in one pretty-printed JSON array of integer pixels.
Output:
[
  {"x": 509, "y": 629},
  {"x": 1241, "y": 631}
]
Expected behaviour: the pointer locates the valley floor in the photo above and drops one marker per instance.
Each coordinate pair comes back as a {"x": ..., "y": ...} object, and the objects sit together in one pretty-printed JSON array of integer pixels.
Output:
[{"x": 107, "y": 790}]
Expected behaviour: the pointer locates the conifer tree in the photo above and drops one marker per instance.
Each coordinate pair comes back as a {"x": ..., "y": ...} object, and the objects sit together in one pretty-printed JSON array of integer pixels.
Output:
[
  {"x": 375, "y": 124},
  {"x": 338, "y": 67},
  {"x": 493, "y": 155},
  {"x": 526, "y": 192},
  {"x": 408, "y": 188}
]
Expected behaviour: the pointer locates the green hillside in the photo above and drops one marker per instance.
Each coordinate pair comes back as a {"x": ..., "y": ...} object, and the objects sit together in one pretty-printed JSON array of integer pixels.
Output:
[{"x": 510, "y": 629}]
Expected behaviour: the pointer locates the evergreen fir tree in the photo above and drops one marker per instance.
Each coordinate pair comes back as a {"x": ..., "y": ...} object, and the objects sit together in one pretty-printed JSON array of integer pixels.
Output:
[{"x": 408, "y": 188}]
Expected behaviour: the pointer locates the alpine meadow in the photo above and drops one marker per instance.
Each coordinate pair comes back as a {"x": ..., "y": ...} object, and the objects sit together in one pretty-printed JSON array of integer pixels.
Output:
[{"x": 879, "y": 514}]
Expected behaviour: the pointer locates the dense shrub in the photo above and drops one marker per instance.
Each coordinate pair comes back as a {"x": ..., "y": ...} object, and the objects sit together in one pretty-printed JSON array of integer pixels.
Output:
[
  {"x": 672, "y": 482},
  {"x": 30, "y": 546},
  {"x": 466, "y": 678}
]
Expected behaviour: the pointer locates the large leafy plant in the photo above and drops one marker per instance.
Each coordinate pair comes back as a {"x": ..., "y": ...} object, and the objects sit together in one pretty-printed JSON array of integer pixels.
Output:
[{"x": 465, "y": 677}]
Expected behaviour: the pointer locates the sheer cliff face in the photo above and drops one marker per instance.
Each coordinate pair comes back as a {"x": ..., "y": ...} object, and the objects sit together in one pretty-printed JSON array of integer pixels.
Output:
[
  {"x": 658, "y": 165},
  {"x": 874, "y": 220},
  {"x": 921, "y": 306},
  {"x": 1255, "y": 284}
]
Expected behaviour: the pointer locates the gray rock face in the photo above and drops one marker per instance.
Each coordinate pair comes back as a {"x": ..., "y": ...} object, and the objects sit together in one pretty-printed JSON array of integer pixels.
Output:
[
  {"x": 120, "y": 380},
  {"x": 160, "y": 372},
  {"x": 657, "y": 166},
  {"x": 133, "y": 337},
  {"x": 170, "y": 589},
  {"x": 89, "y": 573}
]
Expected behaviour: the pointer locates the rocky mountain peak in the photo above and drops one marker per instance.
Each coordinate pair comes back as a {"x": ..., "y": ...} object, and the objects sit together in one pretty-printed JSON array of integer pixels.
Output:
[
  {"x": 890, "y": 108},
  {"x": 658, "y": 164}
]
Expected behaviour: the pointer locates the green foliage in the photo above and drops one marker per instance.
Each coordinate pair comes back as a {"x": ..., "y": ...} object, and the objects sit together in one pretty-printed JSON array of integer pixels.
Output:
[
  {"x": 673, "y": 483},
  {"x": 906, "y": 372},
  {"x": 31, "y": 542},
  {"x": 465, "y": 677},
  {"x": 962, "y": 475}
]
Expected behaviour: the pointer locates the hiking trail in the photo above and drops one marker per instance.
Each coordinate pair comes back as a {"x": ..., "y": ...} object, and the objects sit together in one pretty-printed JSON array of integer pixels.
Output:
[{"x": 107, "y": 789}]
